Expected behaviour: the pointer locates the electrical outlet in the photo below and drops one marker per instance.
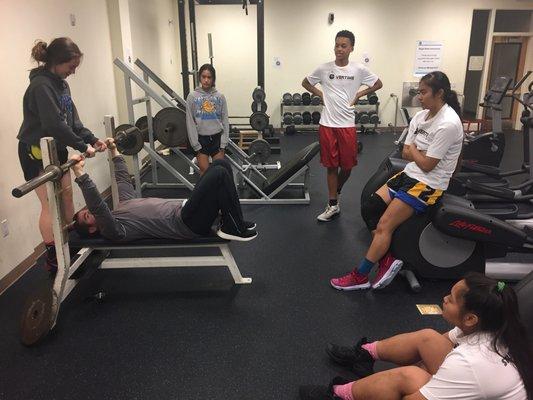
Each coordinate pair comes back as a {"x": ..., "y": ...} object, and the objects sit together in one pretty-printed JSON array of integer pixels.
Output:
[{"x": 5, "y": 228}]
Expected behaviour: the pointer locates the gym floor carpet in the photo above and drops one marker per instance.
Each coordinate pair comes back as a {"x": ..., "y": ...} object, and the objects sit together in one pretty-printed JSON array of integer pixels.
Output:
[{"x": 189, "y": 334}]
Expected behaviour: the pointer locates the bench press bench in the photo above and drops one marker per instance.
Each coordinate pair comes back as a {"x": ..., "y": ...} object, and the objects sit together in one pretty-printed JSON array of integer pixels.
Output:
[{"x": 42, "y": 307}]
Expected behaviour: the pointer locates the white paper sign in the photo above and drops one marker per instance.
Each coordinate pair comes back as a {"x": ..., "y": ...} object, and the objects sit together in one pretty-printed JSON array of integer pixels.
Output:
[
  {"x": 475, "y": 63},
  {"x": 428, "y": 57}
]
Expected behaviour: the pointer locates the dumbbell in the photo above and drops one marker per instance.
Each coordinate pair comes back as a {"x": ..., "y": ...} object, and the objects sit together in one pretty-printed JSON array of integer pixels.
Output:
[
  {"x": 315, "y": 116},
  {"x": 315, "y": 100},
  {"x": 364, "y": 118},
  {"x": 287, "y": 118},
  {"x": 372, "y": 98},
  {"x": 297, "y": 99},
  {"x": 297, "y": 118},
  {"x": 356, "y": 117},
  {"x": 290, "y": 130},
  {"x": 307, "y": 118},
  {"x": 287, "y": 99},
  {"x": 306, "y": 98},
  {"x": 373, "y": 117}
]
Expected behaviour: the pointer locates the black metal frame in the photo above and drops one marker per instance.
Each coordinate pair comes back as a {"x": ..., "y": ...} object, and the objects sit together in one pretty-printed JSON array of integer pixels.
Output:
[{"x": 183, "y": 40}]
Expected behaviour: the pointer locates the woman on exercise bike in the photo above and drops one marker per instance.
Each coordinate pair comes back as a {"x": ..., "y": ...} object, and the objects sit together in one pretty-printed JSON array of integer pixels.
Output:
[
  {"x": 486, "y": 356},
  {"x": 433, "y": 145}
]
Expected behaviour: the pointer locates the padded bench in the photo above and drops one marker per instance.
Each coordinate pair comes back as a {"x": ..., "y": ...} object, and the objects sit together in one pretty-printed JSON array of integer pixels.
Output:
[{"x": 133, "y": 259}]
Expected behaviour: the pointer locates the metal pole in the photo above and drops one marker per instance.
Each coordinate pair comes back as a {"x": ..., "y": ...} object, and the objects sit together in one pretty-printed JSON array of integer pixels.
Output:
[
  {"x": 260, "y": 44},
  {"x": 210, "y": 44},
  {"x": 183, "y": 48},
  {"x": 194, "y": 47}
]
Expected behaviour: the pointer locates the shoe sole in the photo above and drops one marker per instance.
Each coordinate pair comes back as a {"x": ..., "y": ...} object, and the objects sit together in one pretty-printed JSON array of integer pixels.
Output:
[
  {"x": 389, "y": 275},
  {"x": 330, "y": 219},
  {"x": 350, "y": 288},
  {"x": 227, "y": 236}
]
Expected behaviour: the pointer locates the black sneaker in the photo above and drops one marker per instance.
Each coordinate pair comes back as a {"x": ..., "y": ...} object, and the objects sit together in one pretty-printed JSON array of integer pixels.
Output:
[
  {"x": 314, "y": 392},
  {"x": 241, "y": 236},
  {"x": 249, "y": 225},
  {"x": 357, "y": 359}
]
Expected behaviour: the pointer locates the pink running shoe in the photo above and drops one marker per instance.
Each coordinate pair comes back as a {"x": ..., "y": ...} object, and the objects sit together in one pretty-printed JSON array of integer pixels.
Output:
[
  {"x": 352, "y": 281},
  {"x": 388, "y": 268}
]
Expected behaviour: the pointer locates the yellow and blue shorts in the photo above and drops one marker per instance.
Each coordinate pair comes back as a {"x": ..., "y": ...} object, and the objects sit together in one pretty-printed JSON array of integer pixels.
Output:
[{"x": 413, "y": 192}]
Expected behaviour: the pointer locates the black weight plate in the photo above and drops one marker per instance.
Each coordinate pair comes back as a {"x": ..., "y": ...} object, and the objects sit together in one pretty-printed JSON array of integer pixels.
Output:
[
  {"x": 297, "y": 118},
  {"x": 122, "y": 128},
  {"x": 316, "y": 117},
  {"x": 264, "y": 107},
  {"x": 259, "y": 150},
  {"x": 130, "y": 141},
  {"x": 142, "y": 124},
  {"x": 259, "y": 121},
  {"x": 364, "y": 118},
  {"x": 372, "y": 98},
  {"x": 258, "y": 95},
  {"x": 306, "y": 98},
  {"x": 170, "y": 127},
  {"x": 307, "y": 118},
  {"x": 315, "y": 100},
  {"x": 36, "y": 319},
  {"x": 287, "y": 118}
]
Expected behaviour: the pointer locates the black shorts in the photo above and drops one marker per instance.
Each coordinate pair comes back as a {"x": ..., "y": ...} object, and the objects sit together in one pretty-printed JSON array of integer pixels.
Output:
[
  {"x": 31, "y": 159},
  {"x": 413, "y": 192},
  {"x": 210, "y": 144}
]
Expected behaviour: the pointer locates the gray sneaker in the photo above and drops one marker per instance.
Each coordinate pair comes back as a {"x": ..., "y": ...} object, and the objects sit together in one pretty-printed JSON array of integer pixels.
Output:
[{"x": 329, "y": 213}]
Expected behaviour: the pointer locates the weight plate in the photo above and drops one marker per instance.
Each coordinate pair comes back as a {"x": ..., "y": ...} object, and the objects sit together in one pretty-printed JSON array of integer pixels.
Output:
[
  {"x": 259, "y": 151},
  {"x": 263, "y": 106},
  {"x": 122, "y": 128},
  {"x": 130, "y": 141},
  {"x": 297, "y": 98},
  {"x": 170, "y": 127},
  {"x": 142, "y": 124},
  {"x": 306, "y": 98},
  {"x": 36, "y": 319},
  {"x": 258, "y": 95},
  {"x": 315, "y": 100},
  {"x": 259, "y": 121}
]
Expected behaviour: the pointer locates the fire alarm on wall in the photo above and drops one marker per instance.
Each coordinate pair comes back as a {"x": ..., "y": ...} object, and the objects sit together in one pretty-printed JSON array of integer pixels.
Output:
[{"x": 331, "y": 18}]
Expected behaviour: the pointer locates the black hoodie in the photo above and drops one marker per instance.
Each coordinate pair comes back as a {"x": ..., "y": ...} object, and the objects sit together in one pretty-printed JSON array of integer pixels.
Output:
[{"x": 49, "y": 111}]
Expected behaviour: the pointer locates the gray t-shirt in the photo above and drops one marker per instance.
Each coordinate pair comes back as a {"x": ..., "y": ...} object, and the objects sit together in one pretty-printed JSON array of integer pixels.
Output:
[{"x": 134, "y": 218}]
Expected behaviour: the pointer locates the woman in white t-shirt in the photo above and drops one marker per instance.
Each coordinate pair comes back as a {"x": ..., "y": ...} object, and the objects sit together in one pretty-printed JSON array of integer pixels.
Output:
[
  {"x": 433, "y": 146},
  {"x": 486, "y": 356}
]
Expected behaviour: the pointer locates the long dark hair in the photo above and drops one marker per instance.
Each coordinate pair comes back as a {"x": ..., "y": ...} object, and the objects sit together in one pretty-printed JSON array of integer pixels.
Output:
[
  {"x": 437, "y": 80},
  {"x": 59, "y": 51},
  {"x": 496, "y": 306},
  {"x": 209, "y": 68}
]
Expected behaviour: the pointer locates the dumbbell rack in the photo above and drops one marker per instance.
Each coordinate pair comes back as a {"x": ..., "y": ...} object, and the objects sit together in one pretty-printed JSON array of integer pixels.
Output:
[
  {"x": 301, "y": 107},
  {"x": 367, "y": 107}
]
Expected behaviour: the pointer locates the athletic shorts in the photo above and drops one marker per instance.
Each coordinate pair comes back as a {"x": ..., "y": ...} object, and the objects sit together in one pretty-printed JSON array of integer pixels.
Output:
[
  {"x": 413, "y": 192},
  {"x": 210, "y": 144},
  {"x": 31, "y": 159},
  {"x": 338, "y": 147}
]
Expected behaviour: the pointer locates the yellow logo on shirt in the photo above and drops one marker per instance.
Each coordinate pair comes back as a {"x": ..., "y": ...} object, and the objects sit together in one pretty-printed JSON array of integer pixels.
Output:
[{"x": 208, "y": 107}]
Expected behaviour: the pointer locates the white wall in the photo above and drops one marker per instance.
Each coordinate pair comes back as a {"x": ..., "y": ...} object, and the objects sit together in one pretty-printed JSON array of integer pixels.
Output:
[
  {"x": 298, "y": 33},
  {"x": 21, "y": 23}
]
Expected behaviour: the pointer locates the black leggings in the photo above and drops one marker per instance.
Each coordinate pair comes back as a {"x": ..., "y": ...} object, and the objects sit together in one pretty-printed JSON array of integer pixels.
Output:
[{"x": 215, "y": 191}]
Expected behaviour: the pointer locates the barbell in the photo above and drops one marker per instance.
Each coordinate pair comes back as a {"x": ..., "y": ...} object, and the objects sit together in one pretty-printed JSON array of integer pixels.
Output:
[{"x": 128, "y": 142}]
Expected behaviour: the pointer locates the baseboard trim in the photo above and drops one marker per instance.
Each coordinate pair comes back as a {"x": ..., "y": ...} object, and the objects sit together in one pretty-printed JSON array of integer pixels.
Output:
[{"x": 16, "y": 273}]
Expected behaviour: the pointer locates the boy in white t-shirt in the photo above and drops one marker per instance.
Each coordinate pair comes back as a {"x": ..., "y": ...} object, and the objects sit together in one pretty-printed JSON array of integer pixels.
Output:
[
  {"x": 486, "y": 356},
  {"x": 433, "y": 146},
  {"x": 340, "y": 81}
]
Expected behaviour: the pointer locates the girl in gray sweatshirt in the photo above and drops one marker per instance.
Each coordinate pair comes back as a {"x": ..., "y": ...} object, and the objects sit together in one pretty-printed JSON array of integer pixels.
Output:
[{"x": 207, "y": 119}]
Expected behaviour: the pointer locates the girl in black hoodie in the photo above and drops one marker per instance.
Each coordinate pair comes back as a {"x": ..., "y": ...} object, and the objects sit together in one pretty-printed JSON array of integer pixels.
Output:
[{"x": 48, "y": 110}]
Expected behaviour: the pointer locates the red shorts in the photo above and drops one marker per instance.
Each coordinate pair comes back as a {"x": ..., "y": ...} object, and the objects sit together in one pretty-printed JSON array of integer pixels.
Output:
[{"x": 338, "y": 147}]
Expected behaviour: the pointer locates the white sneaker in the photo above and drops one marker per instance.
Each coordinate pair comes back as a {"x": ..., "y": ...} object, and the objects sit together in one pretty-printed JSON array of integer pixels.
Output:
[{"x": 329, "y": 213}]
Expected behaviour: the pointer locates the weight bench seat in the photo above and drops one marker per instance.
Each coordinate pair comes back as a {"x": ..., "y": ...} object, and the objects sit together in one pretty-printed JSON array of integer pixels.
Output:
[
  {"x": 301, "y": 159},
  {"x": 99, "y": 242},
  {"x": 151, "y": 259}
]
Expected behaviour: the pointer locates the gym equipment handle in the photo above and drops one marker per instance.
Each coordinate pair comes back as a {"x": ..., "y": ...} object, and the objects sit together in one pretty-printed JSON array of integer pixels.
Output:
[{"x": 51, "y": 173}]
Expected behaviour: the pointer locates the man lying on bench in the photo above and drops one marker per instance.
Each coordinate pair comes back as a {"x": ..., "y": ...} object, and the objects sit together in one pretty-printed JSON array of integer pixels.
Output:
[{"x": 144, "y": 218}]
